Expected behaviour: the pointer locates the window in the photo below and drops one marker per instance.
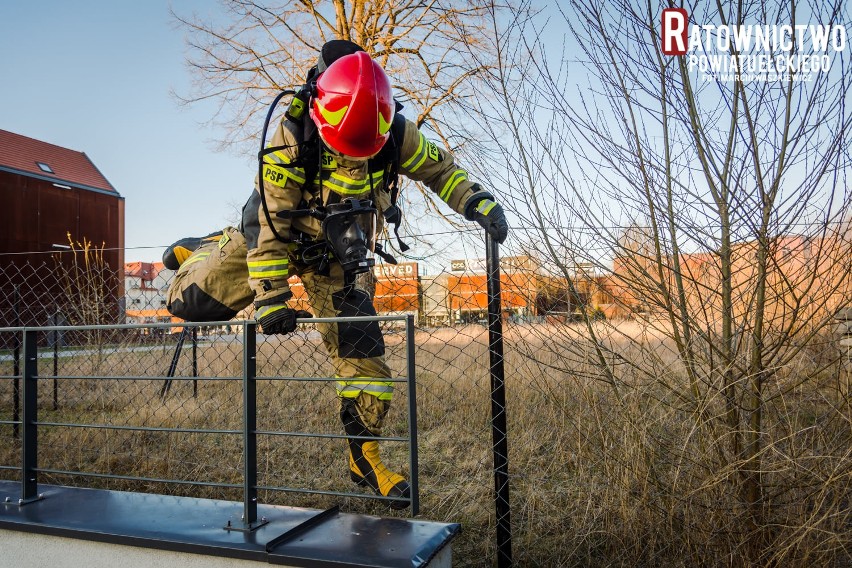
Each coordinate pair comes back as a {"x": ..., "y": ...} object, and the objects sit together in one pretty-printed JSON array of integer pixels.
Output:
[{"x": 44, "y": 167}]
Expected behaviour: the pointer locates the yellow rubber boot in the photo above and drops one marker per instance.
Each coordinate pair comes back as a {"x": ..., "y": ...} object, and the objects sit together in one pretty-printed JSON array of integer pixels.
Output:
[
  {"x": 367, "y": 469},
  {"x": 178, "y": 252},
  {"x": 365, "y": 464},
  {"x": 354, "y": 473}
]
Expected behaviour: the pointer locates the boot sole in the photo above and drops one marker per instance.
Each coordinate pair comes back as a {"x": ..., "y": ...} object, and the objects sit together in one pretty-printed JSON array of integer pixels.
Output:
[
  {"x": 357, "y": 479},
  {"x": 361, "y": 482}
]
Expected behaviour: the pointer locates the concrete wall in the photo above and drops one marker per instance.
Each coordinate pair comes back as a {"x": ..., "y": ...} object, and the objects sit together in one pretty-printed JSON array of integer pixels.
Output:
[{"x": 29, "y": 550}]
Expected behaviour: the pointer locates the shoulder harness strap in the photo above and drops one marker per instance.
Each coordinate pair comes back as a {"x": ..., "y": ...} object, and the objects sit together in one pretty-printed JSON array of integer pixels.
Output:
[{"x": 389, "y": 157}]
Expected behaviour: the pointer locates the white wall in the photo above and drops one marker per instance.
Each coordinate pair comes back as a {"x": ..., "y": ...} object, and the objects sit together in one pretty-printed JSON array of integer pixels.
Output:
[{"x": 29, "y": 550}]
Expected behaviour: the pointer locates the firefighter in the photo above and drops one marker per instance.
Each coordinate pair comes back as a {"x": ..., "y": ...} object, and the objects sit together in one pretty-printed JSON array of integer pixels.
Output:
[{"x": 340, "y": 159}]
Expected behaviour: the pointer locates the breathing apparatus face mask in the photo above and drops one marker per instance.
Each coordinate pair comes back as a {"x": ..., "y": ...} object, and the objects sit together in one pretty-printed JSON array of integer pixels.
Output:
[{"x": 350, "y": 232}]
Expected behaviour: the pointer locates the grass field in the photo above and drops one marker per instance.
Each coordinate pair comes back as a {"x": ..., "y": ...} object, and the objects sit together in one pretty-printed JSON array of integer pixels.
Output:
[{"x": 613, "y": 460}]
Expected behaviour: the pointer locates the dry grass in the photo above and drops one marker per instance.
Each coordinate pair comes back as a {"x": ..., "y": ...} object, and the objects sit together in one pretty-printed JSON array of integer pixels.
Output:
[{"x": 602, "y": 474}]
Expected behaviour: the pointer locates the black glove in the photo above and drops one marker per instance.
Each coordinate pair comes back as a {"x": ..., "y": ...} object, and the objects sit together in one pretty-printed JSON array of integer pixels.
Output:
[
  {"x": 490, "y": 215},
  {"x": 278, "y": 318}
]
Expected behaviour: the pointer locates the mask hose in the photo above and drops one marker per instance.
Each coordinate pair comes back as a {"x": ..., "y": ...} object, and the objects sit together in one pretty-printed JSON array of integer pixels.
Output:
[{"x": 261, "y": 154}]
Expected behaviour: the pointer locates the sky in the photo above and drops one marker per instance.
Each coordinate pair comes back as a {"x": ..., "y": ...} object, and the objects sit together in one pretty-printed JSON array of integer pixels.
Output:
[{"x": 96, "y": 76}]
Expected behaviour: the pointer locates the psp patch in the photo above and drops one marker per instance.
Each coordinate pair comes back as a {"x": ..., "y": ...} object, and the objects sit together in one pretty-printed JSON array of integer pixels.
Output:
[
  {"x": 328, "y": 162},
  {"x": 433, "y": 152},
  {"x": 275, "y": 175}
]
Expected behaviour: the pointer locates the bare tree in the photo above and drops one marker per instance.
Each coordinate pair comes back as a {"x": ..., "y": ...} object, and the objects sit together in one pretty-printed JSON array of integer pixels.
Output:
[
  {"x": 262, "y": 48},
  {"x": 719, "y": 201}
]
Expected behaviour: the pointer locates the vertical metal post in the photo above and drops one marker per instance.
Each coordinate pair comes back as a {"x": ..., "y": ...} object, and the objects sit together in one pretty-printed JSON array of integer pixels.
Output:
[
  {"x": 249, "y": 423},
  {"x": 29, "y": 445},
  {"x": 56, "y": 336},
  {"x": 16, "y": 385},
  {"x": 498, "y": 405},
  {"x": 55, "y": 374},
  {"x": 411, "y": 370},
  {"x": 194, "y": 362}
]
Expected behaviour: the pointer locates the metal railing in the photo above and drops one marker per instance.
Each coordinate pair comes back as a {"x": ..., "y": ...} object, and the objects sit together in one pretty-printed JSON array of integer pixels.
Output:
[{"x": 27, "y": 424}]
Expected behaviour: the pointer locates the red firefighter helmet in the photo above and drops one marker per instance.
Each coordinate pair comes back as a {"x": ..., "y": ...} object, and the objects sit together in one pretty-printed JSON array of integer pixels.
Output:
[{"x": 353, "y": 107}]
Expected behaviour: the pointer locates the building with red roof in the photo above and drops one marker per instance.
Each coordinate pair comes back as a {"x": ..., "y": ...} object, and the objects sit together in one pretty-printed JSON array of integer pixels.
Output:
[
  {"x": 54, "y": 200},
  {"x": 50, "y": 194}
]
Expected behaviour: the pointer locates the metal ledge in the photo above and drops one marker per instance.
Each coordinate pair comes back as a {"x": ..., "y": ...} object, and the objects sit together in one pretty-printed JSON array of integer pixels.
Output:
[{"x": 293, "y": 536}]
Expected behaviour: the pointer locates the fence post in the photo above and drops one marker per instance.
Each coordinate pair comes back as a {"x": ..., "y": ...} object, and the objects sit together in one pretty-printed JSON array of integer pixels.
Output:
[
  {"x": 249, "y": 424},
  {"x": 16, "y": 355},
  {"x": 29, "y": 441},
  {"x": 411, "y": 371},
  {"x": 498, "y": 405},
  {"x": 56, "y": 339},
  {"x": 195, "y": 362}
]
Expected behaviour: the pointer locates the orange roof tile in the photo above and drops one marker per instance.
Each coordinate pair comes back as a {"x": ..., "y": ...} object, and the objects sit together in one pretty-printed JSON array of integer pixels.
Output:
[{"x": 143, "y": 270}]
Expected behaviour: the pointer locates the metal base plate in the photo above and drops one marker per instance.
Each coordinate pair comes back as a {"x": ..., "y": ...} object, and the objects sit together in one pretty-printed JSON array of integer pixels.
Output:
[{"x": 289, "y": 535}]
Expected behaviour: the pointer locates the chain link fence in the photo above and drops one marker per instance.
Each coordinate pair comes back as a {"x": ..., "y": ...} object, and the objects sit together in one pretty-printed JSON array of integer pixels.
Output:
[
  {"x": 180, "y": 436},
  {"x": 607, "y": 461}
]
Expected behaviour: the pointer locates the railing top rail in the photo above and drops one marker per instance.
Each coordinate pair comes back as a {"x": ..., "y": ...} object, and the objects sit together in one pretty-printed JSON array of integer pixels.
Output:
[
  {"x": 192, "y": 324},
  {"x": 351, "y": 318},
  {"x": 122, "y": 326}
]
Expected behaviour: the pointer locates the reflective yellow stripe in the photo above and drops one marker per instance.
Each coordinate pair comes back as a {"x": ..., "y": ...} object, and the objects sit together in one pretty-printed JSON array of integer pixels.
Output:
[
  {"x": 268, "y": 268},
  {"x": 455, "y": 179},
  {"x": 296, "y": 174},
  {"x": 348, "y": 186},
  {"x": 279, "y": 157},
  {"x": 351, "y": 388},
  {"x": 196, "y": 258},
  {"x": 275, "y": 262},
  {"x": 264, "y": 311},
  {"x": 419, "y": 163},
  {"x": 376, "y": 175},
  {"x": 278, "y": 174},
  {"x": 419, "y": 154},
  {"x": 344, "y": 188},
  {"x": 485, "y": 206},
  {"x": 269, "y": 273}
]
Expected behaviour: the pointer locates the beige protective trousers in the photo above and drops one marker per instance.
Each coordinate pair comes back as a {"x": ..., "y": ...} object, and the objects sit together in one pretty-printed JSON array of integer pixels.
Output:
[{"x": 212, "y": 285}]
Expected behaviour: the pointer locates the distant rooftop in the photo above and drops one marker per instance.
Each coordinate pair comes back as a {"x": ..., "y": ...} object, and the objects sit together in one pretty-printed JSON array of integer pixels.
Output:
[
  {"x": 28, "y": 156},
  {"x": 143, "y": 270}
]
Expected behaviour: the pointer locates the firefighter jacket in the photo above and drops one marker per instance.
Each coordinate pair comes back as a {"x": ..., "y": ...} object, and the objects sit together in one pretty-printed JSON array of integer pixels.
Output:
[{"x": 285, "y": 189}]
